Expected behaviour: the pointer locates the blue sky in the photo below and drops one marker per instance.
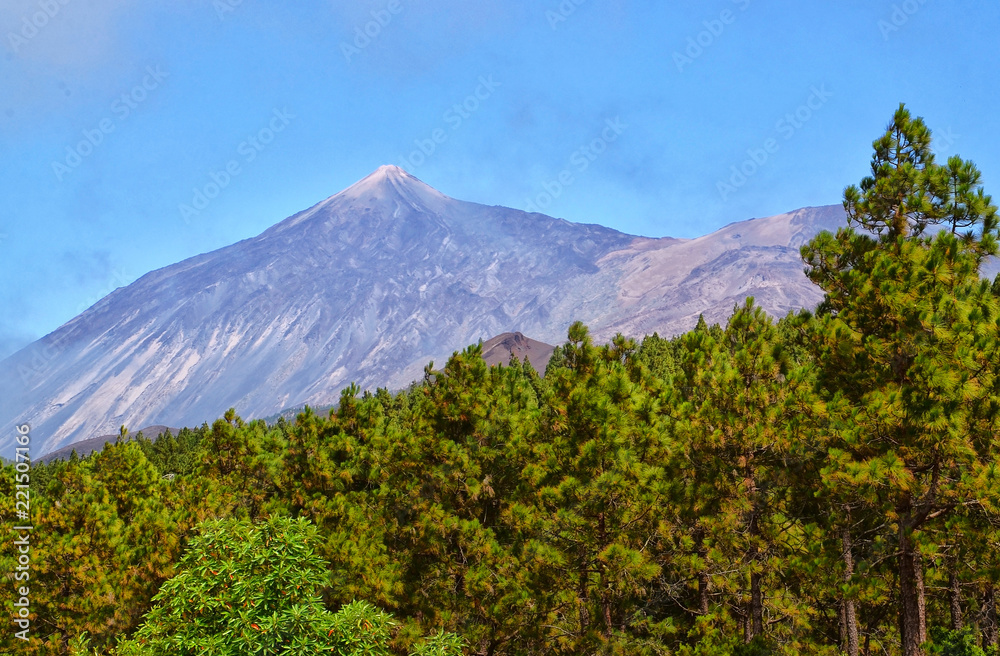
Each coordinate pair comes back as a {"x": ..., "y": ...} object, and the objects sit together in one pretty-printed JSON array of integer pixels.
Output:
[{"x": 118, "y": 118}]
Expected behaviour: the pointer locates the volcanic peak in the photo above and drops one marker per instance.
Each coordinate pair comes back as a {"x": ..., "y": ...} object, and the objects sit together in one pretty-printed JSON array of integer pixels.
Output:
[{"x": 391, "y": 183}]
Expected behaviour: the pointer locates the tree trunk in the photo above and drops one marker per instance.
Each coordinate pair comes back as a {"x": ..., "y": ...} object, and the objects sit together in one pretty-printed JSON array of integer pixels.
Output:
[
  {"x": 842, "y": 627},
  {"x": 703, "y": 579},
  {"x": 850, "y": 618},
  {"x": 703, "y": 592},
  {"x": 955, "y": 599},
  {"x": 605, "y": 596},
  {"x": 756, "y": 605},
  {"x": 912, "y": 616},
  {"x": 989, "y": 617},
  {"x": 606, "y": 613},
  {"x": 582, "y": 593},
  {"x": 756, "y": 596}
]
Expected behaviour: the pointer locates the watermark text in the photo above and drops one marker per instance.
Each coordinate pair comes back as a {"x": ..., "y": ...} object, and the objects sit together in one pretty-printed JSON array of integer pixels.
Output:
[{"x": 22, "y": 533}]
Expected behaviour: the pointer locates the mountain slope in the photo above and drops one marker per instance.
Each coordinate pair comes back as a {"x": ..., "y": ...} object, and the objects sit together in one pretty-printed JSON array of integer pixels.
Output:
[
  {"x": 665, "y": 284},
  {"x": 368, "y": 286}
]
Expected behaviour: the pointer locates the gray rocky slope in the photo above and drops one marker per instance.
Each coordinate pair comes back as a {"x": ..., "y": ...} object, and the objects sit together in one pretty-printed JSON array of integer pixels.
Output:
[{"x": 368, "y": 286}]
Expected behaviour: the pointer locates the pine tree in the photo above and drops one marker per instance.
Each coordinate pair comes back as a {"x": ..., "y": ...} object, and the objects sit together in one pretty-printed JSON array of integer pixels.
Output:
[
  {"x": 908, "y": 338},
  {"x": 739, "y": 425},
  {"x": 105, "y": 538},
  {"x": 242, "y": 461},
  {"x": 597, "y": 472}
]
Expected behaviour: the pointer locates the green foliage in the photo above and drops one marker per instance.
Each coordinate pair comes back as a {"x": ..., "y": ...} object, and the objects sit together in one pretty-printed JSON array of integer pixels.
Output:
[
  {"x": 440, "y": 644},
  {"x": 597, "y": 478},
  {"x": 173, "y": 456},
  {"x": 246, "y": 588},
  {"x": 757, "y": 647},
  {"x": 741, "y": 405},
  {"x": 955, "y": 643},
  {"x": 907, "y": 192},
  {"x": 108, "y": 531},
  {"x": 241, "y": 464},
  {"x": 660, "y": 356}
]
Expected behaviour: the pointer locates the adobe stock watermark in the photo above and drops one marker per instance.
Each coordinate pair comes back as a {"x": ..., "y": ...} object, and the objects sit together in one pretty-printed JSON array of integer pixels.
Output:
[
  {"x": 562, "y": 13},
  {"x": 223, "y": 7},
  {"x": 42, "y": 356},
  {"x": 263, "y": 312},
  {"x": 119, "y": 278},
  {"x": 705, "y": 39},
  {"x": 248, "y": 150},
  {"x": 786, "y": 128},
  {"x": 579, "y": 161},
  {"x": 47, "y": 349},
  {"x": 22, "y": 534},
  {"x": 900, "y": 16},
  {"x": 455, "y": 116},
  {"x": 122, "y": 108},
  {"x": 943, "y": 140},
  {"x": 365, "y": 34},
  {"x": 35, "y": 23}
]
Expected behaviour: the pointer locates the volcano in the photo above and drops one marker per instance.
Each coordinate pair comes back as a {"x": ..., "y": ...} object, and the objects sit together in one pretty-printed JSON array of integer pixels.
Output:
[{"x": 368, "y": 286}]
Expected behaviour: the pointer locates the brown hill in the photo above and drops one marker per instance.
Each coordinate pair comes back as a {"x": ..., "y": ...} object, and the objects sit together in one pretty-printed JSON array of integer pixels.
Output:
[{"x": 499, "y": 349}]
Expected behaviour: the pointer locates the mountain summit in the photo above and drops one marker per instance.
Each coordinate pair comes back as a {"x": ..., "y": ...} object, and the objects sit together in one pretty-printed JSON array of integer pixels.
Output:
[
  {"x": 392, "y": 182},
  {"x": 367, "y": 286},
  {"x": 388, "y": 188}
]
